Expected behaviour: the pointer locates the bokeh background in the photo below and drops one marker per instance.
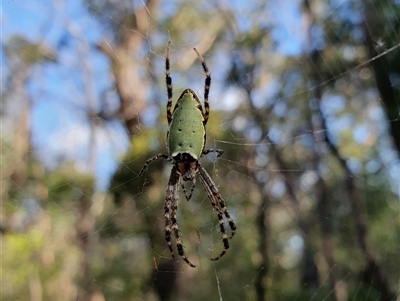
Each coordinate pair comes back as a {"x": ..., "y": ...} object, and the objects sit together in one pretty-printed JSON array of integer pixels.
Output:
[{"x": 304, "y": 100}]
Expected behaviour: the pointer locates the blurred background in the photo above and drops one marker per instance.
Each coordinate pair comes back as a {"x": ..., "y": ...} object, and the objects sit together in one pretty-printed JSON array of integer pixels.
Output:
[{"x": 304, "y": 101}]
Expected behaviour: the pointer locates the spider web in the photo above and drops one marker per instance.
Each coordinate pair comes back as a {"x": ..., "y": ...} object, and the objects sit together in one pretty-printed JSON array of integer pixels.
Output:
[{"x": 82, "y": 126}]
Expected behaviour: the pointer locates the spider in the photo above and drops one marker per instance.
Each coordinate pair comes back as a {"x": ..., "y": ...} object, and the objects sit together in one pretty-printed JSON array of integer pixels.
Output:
[{"x": 186, "y": 138}]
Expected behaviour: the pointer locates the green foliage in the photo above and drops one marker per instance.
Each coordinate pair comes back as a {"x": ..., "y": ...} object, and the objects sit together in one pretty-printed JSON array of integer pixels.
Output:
[
  {"x": 29, "y": 52},
  {"x": 41, "y": 257}
]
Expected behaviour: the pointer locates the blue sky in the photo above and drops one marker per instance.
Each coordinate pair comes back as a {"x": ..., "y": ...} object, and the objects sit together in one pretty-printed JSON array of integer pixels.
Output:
[{"x": 59, "y": 126}]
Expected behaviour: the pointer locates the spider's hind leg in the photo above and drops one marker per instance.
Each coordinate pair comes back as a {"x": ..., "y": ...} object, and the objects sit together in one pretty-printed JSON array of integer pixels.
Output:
[
  {"x": 171, "y": 224},
  {"x": 218, "y": 211},
  {"x": 219, "y": 207}
]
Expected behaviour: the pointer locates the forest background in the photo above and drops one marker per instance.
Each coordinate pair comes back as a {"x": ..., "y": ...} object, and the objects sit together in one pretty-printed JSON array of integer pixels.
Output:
[{"x": 304, "y": 101}]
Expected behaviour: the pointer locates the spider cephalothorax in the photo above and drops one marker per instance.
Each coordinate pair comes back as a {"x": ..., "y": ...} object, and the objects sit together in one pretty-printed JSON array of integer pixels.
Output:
[
  {"x": 186, "y": 138},
  {"x": 187, "y": 168}
]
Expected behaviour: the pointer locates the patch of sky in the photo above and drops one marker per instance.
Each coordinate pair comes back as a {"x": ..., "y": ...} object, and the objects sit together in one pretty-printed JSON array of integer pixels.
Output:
[
  {"x": 275, "y": 134},
  {"x": 286, "y": 33},
  {"x": 254, "y": 134},
  {"x": 308, "y": 179},
  {"x": 373, "y": 166},
  {"x": 280, "y": 109},
  {"x": 278, "y": 188},
  {"x": 332, "y": 103},
  {"x": 265, "y": 95},
  {"x": 360, "y": 133},
  {"x": 296, "y": 242},
  {"x": 354, "y": 164}
]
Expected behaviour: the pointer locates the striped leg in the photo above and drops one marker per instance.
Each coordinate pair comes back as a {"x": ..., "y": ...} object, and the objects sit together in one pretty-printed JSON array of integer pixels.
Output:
[
  {"x": 173, "y": 190},
  {"x": 216, "y": 208},
  {"x": 151, "y": 160},
  {"x": 219, "y": 206},
  {"x": 168, "y": 82},
  {"x": 215, "y": 192},
  {"x": 169, "y": 195},
  {"x": 206, "y": 87}
]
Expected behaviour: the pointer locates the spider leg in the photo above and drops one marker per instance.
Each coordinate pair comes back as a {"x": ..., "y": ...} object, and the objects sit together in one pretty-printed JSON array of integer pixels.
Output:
[
  {"x": 206, "y": 87},
  {"x": 215, "y": 192},
  {"x": 173, "y": 193},
  {"x": 168, "y": 82},
  {"x": 214, "y": 204},
  {"x": 169, "y": 195},
  {"x": 151, "y": 160},
  {"x": 219, "y": 152},
  {"x": 219, "y": 207}
]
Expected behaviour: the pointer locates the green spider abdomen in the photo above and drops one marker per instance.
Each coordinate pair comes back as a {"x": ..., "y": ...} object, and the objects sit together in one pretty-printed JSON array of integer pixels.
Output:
[{"x": 186, "y": 132}]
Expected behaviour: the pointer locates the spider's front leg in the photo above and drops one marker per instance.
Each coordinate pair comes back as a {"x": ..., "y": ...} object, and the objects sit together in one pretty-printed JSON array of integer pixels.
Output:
[
  {"x": 168, "y": 82},
  {"x": 207, "y": 85}
]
